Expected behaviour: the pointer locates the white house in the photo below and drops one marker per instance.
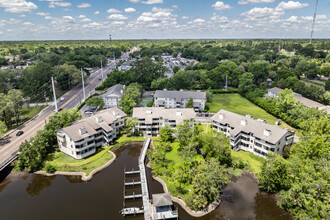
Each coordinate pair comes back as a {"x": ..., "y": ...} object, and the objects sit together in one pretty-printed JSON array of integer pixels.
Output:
[
  {"x": 113, "y": 95},
  {"x": 251, "y": 135},
  {"x": 179, "y": 99},
  {"x": 152, "y": 119},
  {"x": 85, "y": 136}
]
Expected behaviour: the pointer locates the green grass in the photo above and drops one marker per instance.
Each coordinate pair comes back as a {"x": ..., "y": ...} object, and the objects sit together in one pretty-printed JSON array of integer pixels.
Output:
[
  {"x": 240, "y": 105},
  {"x": 63, "y": 162},
  {"x": 254, "y": 162},
  {"x": 30, "y": 111}
]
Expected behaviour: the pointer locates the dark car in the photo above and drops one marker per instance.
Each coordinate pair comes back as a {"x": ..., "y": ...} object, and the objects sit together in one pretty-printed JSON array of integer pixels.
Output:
[
  {"x": 19, "y": 133},
  {"x": 60, "y": 109}
]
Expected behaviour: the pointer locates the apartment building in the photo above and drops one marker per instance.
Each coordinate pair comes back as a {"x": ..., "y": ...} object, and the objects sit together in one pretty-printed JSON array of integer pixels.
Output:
[
  {"x": 152, "y": 119},
  {"x": 85, "y": 136},
  {"x": 179, "y": 99},
  {"x": 251, "y": 135},
  {"x": 113, "y": 95}
]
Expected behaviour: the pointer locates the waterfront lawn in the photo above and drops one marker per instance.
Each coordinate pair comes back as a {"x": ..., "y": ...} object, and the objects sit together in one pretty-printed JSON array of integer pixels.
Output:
[
  {"x": 254, "y": 162},
  {"x": 65, "y": 163}
]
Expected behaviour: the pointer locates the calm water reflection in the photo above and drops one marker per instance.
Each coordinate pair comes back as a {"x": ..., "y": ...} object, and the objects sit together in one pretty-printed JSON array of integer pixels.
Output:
[{"x": 30, "y": 196}]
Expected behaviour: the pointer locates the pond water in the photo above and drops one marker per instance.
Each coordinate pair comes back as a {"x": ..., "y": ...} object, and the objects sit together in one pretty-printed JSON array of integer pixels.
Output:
[{"x": 31, "y": 196}]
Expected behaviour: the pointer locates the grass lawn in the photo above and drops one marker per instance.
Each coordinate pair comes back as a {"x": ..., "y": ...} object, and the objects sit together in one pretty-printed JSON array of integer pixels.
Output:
[
  {"x": 253, "y": 160},
  {"x": 240, "y": 105},
  {"x": 30, "y": 111},
  {"x": 63, "y": 162}
]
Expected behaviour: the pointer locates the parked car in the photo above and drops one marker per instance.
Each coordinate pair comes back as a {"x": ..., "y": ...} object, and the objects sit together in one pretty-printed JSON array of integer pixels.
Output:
[
  {"x": 19, "y": 133},
  {"x": 61, "y": 99}
]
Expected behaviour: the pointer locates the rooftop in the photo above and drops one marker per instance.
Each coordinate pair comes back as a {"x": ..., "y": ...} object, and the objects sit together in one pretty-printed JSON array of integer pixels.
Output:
[
  {"x": 162, "y": 199},
  {"x": 101, "y": 119},
  {"x": 178, "y": 114},
  {"x": 116, "y": 90},
  {"x": 267, "y": 132},
  {"x": 179, "y": 95}
]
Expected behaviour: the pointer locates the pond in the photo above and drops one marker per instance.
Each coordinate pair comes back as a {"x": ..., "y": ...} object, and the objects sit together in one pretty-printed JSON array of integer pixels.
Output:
[{"x": 31, "y": 196}]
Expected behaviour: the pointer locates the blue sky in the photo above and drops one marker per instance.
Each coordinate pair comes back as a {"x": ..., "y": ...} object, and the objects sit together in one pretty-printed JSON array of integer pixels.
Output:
[{"x": 161, "y": 19}]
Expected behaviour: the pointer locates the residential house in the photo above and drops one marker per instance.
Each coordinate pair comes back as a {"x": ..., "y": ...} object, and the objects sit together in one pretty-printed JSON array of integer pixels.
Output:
[
  {"x": 251, "y": 135},
  {"x": 85, "y": 136},
  {"x": 179, "y": 99},
  {"x": 113, "y": 95},
  {"x": 152, "y": 119}
]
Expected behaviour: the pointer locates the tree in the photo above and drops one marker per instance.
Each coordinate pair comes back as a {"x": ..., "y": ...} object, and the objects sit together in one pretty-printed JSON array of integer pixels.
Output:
[
  {"x": 176, "y": 69},
  {"x": 274, "y": 175},
  {"x": 130, "y": 125},
  {"x": 95, "y": 101},
  {"x": 327, "y": 85},
  {"x": 190, "y": 103},
  {"x": 260, "y": 71},
  {"x": 166, "y": 134},
  {"x": 245, "y": 83},
  {"x": 66, "y": 76},
  {"x": 15, "y": 102},
  {"x": 3, "y": 127},
  {"x": 150, "y": 104},
  {"x": 131, "y": 97}
]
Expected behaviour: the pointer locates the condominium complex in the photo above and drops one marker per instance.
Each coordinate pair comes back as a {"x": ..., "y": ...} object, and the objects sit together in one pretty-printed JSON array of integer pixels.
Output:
[
  {"x": 113, "y": 95},
  {"x": 179, "y": 99},
  {"x": 251, "y": 135},
  {"x": 151, "y": 120},
  {"x": 82, "y": 138}
]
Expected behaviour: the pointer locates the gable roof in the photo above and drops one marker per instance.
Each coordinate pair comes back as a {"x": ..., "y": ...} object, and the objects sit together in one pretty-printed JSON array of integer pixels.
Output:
[
  {"x": 116, "y": 90},
  {"x": 179, "y": 95},
  {"x": 91, "y": 124},
  {"x": 275, "y": 90},
  {"x": 252, "y": 126}
]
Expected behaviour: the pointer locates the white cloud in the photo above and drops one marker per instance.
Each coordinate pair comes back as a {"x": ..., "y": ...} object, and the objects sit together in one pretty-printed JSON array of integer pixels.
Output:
[
  {"x": 129, "y": 10},
  {"x": 244, "y": 2},
  {"x": 81, "y": 16},
  {"x": 59, "y": 4},
  {"x": 292, "y": 19},
  {"x": 42, "y": 14},
  {"x": 117, "y": 17},
  {"x": 85, "y": 20},
  {"x": 96, "y": 12},
  {"x": 113, "y": 10},
  {"x": 263, "y": 13},
  {"x": 219, "y": 19},
  {"x": 291, "y": 5},
  {"x": 198, "y": 20},
  {"x": 155, "y": 9},
  {"x": 160, "y": 16},
  {"x": 220, "y": 6},
  {"x": 68, "y": 18},
  {"x": 118, "y": 22},
  {"x": 22, "y": 16},
  {"x": 17, "y": 6},
  {"x": 84, "y": 5},
  {"x": 134, "y": 1},
  {"x": 150, "y": 2},
  {"x": 185, "y": 17}
]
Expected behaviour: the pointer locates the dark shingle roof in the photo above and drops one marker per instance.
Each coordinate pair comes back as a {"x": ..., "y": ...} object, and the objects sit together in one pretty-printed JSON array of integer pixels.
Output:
[{"x": 179, "y": 95}]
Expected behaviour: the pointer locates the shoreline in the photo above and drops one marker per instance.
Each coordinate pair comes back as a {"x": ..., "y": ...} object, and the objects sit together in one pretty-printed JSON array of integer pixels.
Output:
[
  {"x": 82, "y": 174},
  {"x": 211, "y": 207}
]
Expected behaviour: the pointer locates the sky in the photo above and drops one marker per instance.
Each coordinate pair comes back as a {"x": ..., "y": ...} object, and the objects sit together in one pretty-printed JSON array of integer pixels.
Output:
[{"x": 161, "y": 19}]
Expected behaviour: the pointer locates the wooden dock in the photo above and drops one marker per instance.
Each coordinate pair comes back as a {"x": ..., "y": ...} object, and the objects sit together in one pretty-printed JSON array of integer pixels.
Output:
[
  {"x": 132, "y": 184},
  {"x": 132, "y": 172},
  {"x": 133, "y": 196},
  {"x": 131, "y": 211}
]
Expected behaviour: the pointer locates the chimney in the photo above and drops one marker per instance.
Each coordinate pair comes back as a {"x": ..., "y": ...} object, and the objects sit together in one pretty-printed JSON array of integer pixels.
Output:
[
  {"x": 115, "y": 113},
  {"x": 99, "y": 119},
  {"x": 267, "y": 132},
  {"x": 121, "y": 91},
  {"x": 82, "y": 130},
  {"x": 221, "y": 116},
  {"x": 243, "y": 122},
  {"x": 181, "y": 90},
  {"x": 198, "y": 90},
  {"x": 164, "y": 89},
  {"x": 178, "y": 113},
  {"x": 149, "y": 111}
]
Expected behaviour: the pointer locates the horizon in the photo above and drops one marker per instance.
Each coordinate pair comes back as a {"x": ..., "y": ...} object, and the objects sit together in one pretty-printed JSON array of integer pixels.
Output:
[{"x": 41, "y": 20}]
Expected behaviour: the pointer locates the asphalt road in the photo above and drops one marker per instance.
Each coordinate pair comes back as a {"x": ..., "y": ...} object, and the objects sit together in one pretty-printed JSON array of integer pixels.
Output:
[{"x": 71, "y": 100}]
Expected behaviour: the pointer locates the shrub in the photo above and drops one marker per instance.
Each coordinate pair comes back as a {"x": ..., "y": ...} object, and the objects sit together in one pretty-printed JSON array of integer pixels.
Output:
[{"x": 50, "y": 168}]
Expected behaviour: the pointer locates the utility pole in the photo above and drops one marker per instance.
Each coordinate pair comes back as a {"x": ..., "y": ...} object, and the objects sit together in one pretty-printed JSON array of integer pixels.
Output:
[
  {"x": 82, "y": 78},
  {"x": 110, "y": 42},
  {"x": 226, "y": 84},
  {"x": 102, "y": 70},
  {"x": 54, "y": 94},
  {"x": 313, "y": 24}
]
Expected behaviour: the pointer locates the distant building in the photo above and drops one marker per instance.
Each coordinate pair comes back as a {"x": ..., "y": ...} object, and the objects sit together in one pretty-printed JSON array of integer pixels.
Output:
[
  {"x": 113, "y": 95},
  {"x": 179, "y": 99},
  {"x": 163, "y": 206},
  {"x": 85, "y": 136},
  {"x": 252, "y": 135},
  {"x": 152, "y": 119},
  {"x": 273, "y": 92}
]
